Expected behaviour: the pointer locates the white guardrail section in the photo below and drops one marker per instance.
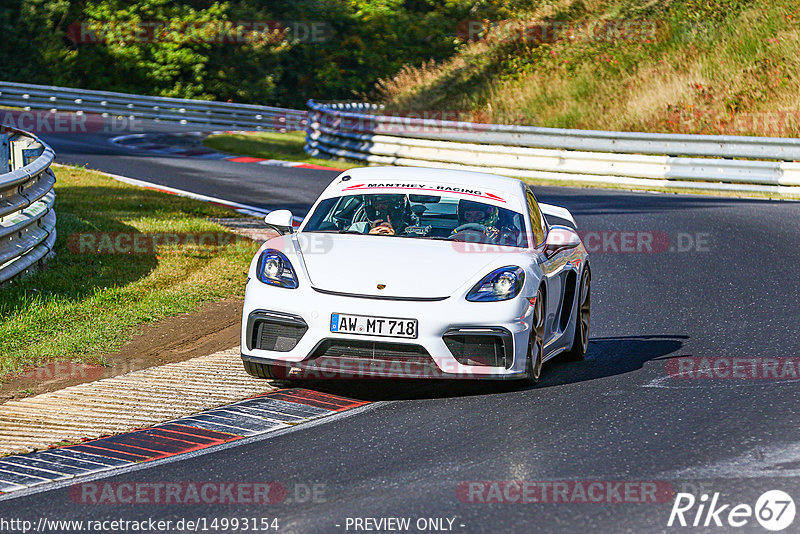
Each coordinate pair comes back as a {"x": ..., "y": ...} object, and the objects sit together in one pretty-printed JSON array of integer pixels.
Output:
[
  {"x": 27, "y": 219},
  {"x": 106, "y": 103},
  {"x": 358, "y": 131}
]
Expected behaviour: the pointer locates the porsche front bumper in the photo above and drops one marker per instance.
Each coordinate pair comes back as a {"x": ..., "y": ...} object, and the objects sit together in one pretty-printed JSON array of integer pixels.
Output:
[{"x": 456, "y": 339}]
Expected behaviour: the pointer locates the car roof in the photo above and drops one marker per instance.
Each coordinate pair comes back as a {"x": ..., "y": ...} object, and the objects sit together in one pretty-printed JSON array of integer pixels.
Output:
[
  {"x": 508, "y": 187},
  {"x": 452, "y": 176}
]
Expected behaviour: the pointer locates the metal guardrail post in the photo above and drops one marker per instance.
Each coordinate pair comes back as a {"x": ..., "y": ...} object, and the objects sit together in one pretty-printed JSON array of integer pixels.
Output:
[{"x": 5, "y": 156}]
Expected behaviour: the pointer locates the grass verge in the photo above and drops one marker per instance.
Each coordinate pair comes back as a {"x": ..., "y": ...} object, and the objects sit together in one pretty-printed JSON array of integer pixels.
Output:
[
  {"x": 84, "y": 305},
  {"x": 272, "y": 145}
]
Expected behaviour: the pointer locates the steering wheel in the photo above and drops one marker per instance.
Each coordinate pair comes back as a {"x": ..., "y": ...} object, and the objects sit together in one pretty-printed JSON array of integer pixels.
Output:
[
  {"x": 471, "y": 233},
  {"x": 469, "y": 226}
]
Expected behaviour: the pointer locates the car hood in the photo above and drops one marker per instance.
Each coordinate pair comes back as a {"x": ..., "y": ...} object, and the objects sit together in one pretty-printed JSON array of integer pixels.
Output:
[{"x": 407, "y": 267}]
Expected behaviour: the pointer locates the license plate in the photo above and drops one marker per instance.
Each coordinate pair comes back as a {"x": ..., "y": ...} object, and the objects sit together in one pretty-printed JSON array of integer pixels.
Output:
[{"x": 373, "y": 326}]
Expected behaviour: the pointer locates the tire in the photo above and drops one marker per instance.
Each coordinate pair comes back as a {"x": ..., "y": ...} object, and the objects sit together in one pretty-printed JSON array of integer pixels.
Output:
[
  {"x": 580, "y": 341},
  {"x": 533, "y": 362}
]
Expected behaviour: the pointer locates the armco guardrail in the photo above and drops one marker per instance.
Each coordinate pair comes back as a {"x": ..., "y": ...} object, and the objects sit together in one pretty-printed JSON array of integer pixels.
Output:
[
  {"x": 358, "y": 131},
  {"x": 195, "y": 112},
  {"x": 27, "y": 219}
]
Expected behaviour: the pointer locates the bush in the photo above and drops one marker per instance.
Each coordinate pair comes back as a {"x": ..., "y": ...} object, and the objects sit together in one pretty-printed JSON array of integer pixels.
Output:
[{"x": 367, "y": 40}]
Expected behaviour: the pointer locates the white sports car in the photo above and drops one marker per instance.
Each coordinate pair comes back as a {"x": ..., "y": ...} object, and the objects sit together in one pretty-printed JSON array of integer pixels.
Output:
[{"x": 418, "y": 273}]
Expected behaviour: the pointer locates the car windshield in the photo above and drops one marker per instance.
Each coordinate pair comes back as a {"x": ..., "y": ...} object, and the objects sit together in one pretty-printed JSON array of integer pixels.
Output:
[{"x": 419, "y": 216}]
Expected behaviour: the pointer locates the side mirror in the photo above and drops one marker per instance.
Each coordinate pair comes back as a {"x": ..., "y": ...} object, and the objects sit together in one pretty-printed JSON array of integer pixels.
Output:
[
  {"x": 280, "y": 221},
  {"x": 560, "y": 238}
]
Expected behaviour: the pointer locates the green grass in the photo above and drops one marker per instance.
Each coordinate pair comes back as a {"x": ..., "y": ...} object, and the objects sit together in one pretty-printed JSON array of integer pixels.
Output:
[
  {"x": 84, "y": 305},
  {"x": 271, "y": 145}
]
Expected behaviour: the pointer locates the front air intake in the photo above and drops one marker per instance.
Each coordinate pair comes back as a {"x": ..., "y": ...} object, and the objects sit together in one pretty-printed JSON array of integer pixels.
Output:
[
  {"x": 489, "y": 348},
  {"x": 275, "y": 332}
]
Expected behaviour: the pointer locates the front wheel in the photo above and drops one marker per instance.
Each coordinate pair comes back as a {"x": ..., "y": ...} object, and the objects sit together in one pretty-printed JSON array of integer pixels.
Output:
[
  {"x": 580, "y": 342},
  {"x": 533, "y": 362}
]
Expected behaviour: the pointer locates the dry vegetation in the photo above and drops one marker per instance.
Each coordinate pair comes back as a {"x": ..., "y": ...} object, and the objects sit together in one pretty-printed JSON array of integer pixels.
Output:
[{"x": 714, "y": 66}]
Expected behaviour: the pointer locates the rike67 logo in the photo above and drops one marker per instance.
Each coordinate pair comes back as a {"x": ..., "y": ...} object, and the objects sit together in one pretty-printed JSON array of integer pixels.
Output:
[{"x": 774, "y": 510}]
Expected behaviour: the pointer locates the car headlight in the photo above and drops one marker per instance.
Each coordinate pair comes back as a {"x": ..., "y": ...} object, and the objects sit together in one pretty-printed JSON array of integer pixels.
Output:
[
  {"x": 275, "y": 269},
  {"x": 502, "y": 284}
]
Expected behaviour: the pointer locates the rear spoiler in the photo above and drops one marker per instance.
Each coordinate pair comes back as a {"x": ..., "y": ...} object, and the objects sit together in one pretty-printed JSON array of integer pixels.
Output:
[{"x": 558, "y": 211}]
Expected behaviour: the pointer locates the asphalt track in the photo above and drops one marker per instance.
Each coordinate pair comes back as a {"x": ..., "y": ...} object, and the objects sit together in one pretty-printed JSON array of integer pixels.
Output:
[
  {"x": 252, "y": 184},
  {"x": 617, "y": 416}
]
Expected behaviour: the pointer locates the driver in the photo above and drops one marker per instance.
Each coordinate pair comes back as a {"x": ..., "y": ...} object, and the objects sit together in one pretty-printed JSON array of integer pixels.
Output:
[
  {"x": 386, "y": 214},
  {"x": 478, "y": 216}
]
